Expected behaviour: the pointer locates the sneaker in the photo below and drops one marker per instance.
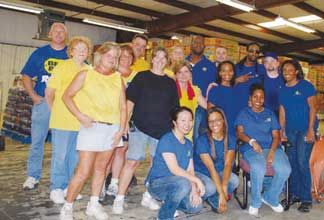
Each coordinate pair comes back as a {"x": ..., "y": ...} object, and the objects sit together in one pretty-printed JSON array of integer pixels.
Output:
[
  {"x": 149, "y": 202},
  {"x": 66, "y": 213},
  {"x": 30, "y": 183},
  {"x": 57, "y": 196},
  {"x": 77, "y": 198},
  {"x": 112, "y": 190},
  {"x": 254, "y": 212},
  {"x": 176, "y": 214},
  {"x": 277, "y": 208},
  {"x": 118, "y": 207},
  {"x": 96, "y": 211}
]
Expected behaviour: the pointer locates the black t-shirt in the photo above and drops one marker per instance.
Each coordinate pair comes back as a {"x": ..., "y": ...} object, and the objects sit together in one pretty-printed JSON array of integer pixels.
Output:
[{"x": 154, "y": 97}]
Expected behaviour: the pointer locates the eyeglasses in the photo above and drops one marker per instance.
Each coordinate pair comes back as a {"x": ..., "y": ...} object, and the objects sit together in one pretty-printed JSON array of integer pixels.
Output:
[{"x": 256, "y": 51}]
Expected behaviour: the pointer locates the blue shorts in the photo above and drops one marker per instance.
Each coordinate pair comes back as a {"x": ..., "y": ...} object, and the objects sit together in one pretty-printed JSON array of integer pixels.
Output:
[{"x": 137, "y": 143}]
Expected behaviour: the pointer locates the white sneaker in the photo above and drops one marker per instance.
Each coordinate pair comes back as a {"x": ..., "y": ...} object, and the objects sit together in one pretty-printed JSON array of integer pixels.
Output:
[
  {"x": 112, "y": 190},
  {"x": 118, "y": 207},
  {"x": 277, "y": 208},
  {"x": 254, "y": 212},
  {"x": 149, "y": 202},
  {"x": 96, "y": 210},
  {"x": 57, "y": 196},
  {"x": 79, "y": 196},
  {"x": 176, "y": 214},
  {"x": 30, "y": 183},
  {"x": 66, "y": 213}
]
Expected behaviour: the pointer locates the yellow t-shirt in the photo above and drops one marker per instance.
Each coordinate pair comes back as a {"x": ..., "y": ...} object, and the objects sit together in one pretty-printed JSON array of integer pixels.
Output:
[
  {"x": 140, "y": 65},
  {"x": 62, "y": 76},
  {"x": 191, "y": 104},
  {"x": 100, "y": 96},
  {"x": 169, "y": 73},
  {"x": 127, "y": 80}
]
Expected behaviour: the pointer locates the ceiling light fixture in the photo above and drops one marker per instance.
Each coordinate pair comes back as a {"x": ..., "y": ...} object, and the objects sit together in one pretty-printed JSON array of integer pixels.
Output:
[
  {"x": 18, "y": 7},
  {"x": 113, "y": 25},
  {"x": 292, "y": 22},
  {"x": 237, "y": 4},
  {"x": 294, "y": 25}
]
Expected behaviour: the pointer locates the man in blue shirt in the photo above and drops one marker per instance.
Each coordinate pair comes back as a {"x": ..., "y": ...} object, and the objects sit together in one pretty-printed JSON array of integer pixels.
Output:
[
  {"x": 203, "y": 73},
  {"x": 248, "y": 71},
  {"x": 273, "y": 81},
  {"x": 40, "y": 65}
]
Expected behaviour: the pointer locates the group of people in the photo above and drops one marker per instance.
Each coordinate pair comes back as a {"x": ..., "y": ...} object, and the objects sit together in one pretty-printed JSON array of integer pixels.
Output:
[{"x": 187, "y": 112}]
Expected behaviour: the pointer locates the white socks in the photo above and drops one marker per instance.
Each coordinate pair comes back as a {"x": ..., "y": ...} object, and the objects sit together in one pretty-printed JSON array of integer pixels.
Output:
[
  {"x": 120, "y": 197},
  {"x": 94, "y": 199},
  {"x": 114, "y": 181}
]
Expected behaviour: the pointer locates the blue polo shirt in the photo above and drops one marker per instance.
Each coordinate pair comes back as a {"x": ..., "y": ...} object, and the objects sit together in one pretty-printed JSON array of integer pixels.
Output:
[
  {"x": 294, "y": 101},
  {"x": 41, "y": 64},
  {"x": 170, "y": 144},
  {"x": 243, "y": 89},
  {"x": 203, "y": 146},
  {"x": 271, "y": 91},
  {"x": 204, "y": 72},
  {"x": 224, "y": 97},
  {"x": 257, "y": 125}
]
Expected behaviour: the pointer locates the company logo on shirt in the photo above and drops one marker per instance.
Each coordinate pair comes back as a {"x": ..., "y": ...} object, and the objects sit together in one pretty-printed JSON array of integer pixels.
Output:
[
  {"x": 204, "y": 69},
  {"x": 49, "y": 65},
  {"x": 268, "y": 120},
  {"x": 189, "y": 153},
  {"x": 297, "y": 93}
]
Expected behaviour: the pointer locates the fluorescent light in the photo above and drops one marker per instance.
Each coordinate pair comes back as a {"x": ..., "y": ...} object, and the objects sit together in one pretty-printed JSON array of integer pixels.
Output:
[
  {"x": 237, "y": 4},
  {"x": 295, "y": 25},
  {"x": 21, "y": 7},
  {"x": 283, "y": 22},
  {"x": 252, "y": 26},
  {"x": 307, "y": 18},
  {"x": 113, "y": 25}
]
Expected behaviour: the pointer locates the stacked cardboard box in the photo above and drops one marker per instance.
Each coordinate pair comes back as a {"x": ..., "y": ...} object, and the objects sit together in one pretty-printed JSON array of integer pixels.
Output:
[{"x": 17, "y": 115}]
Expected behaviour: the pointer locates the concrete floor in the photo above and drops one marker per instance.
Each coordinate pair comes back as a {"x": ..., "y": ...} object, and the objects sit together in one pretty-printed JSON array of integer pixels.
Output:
[{"x": 35, "y": 205}]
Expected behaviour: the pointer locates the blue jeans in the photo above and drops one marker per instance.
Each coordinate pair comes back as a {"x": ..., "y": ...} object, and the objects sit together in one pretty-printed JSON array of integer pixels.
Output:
[
  {"x": 258, "y": 165},
  {"x": 39, "y": 130},
  {"x": 174, "y": 191},
  {"x": 64, "y": 157},
  {"x": 200, "y": 124},
  {"x": 300, "y": 183}
]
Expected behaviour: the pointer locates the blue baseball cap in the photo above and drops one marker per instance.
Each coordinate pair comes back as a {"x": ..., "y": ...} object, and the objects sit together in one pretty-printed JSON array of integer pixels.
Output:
[{"x": 271, "y": 54}]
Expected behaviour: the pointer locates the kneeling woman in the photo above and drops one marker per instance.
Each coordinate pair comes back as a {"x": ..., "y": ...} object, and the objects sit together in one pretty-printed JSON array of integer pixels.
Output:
[
  {"x": 258, "y": 127},
  {"x": 172, "y": 178},
  {"x": 214, "y": 155}
]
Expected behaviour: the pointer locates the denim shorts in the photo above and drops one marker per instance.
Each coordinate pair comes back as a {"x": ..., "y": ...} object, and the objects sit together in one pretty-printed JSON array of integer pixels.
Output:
[{"x": 137, "y": 143}]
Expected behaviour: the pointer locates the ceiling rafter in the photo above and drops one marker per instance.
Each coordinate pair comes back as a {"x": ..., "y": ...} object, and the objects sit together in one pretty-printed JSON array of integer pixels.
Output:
[
  {"x": 306, "y": 7},
  {"x": 271, "y": 45},
  {"x": 203, "y": 15}
]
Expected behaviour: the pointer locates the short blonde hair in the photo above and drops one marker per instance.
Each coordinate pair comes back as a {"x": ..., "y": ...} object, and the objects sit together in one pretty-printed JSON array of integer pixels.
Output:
[
  {"x": 79, "y": 39},
  {"x": 104, "y": 48},
  {"x": 178, "y": 66},
  {"x": 58, "y": 24}
]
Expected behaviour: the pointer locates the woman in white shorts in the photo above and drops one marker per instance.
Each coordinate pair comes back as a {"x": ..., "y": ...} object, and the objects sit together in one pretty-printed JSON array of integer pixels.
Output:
[{"x": 102, "y": 114}]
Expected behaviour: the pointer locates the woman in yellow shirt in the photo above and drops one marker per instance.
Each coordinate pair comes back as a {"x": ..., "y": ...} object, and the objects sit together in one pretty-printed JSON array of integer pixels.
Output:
[
  {"x": 64, "y": 126},
  {"x": 189, "y": 95},
  {"x": 102, "y": 115},
  {"x": 124, "y": 68}
]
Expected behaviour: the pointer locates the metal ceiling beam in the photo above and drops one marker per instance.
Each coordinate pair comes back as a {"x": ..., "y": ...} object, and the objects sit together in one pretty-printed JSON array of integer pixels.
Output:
[
  {"x": 89, "y": 11},
  {"x": 296, "y": 47},
  {"x": 306, "y": 7},
  {"x": 203, "y": 15}
]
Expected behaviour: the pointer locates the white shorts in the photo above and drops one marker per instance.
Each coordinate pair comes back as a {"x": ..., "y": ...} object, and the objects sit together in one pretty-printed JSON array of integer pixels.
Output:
[{"x": 99, "y": 137}]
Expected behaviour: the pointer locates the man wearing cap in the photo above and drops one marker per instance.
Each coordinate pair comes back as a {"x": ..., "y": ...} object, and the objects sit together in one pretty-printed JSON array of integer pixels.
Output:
[{"x": 273, "y": 81}]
